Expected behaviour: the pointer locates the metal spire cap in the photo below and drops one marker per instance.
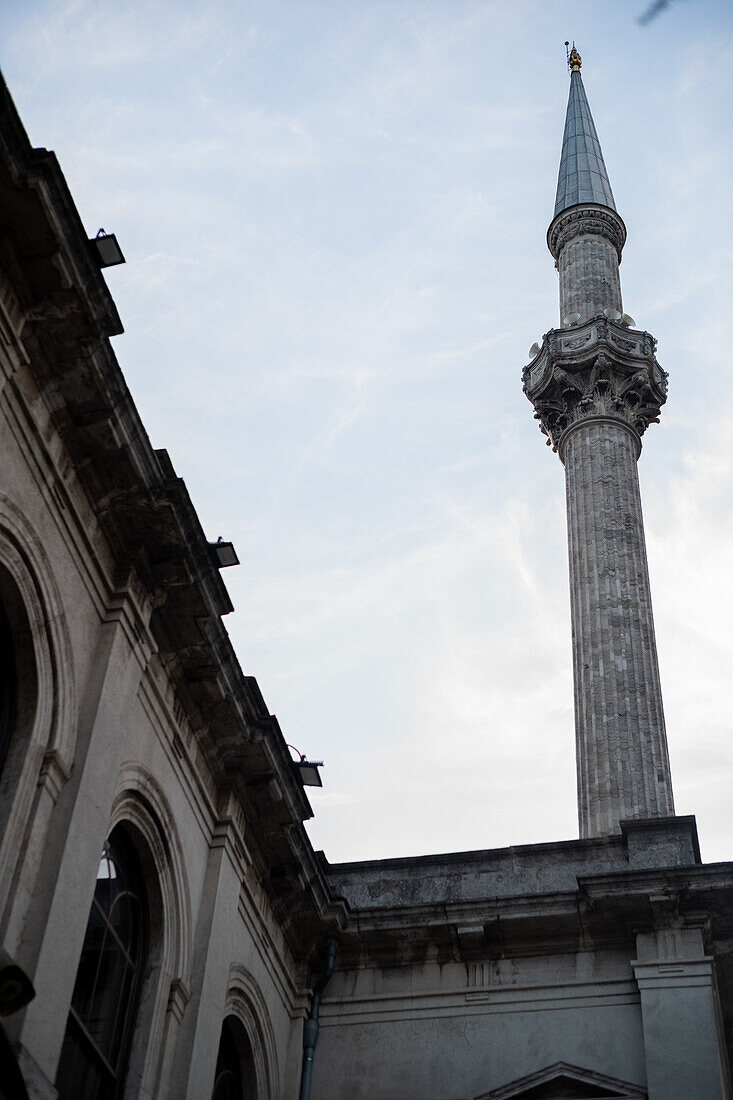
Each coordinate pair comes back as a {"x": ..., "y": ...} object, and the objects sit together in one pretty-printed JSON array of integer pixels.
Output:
[{"x": 583, "y": 177}]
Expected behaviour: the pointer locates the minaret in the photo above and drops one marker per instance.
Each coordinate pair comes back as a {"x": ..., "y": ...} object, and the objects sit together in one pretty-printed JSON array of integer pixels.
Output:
[{"x": 596, "y": 386}]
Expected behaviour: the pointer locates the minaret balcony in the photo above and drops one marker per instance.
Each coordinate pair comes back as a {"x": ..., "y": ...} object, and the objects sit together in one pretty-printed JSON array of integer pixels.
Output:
[{"x": 596, "y": 369}]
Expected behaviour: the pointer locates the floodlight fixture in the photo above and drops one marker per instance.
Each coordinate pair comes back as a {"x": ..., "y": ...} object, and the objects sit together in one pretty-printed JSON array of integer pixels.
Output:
[
  {"x": 307, "y": 769},
  {"x": 223, "y": 553},
  {"x": 106, "y": 249}
]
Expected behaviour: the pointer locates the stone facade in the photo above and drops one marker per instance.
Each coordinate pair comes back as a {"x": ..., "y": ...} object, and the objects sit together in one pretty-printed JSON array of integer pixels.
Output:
[
  {"x": 132, "y": 712},
  {"x": 488, "y": 974}
]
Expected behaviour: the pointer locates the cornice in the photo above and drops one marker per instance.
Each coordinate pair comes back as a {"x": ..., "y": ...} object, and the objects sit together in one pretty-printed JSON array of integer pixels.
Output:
[
  {"x": 586, "y": 219},
  {"x": 607, "y": 910}
]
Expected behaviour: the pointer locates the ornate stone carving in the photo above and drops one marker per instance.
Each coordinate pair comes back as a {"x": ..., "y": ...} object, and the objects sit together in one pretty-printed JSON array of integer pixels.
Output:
[
  {"x": 626, "y": 345},
  {"x": 596, "y": 373},
  {"x": 580, "y": 342},
  {"x": 581, "y": 220}
]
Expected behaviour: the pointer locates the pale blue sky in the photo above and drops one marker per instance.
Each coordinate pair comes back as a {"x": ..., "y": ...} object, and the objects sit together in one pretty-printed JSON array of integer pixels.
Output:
[{"x": 334, "y": 218}]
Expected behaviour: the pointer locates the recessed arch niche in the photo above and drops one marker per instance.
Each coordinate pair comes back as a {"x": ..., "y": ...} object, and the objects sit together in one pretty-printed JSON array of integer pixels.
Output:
[
  {"x": 39, "y": 698},
  {"x": 246, "y": 1004},
  {"x": 18, "y": 678},
  {"x": 236, "y": 1074}
]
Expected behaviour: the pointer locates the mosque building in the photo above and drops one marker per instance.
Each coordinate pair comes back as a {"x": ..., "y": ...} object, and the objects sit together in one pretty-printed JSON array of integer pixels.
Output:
[{"x": 167, "y": 931}]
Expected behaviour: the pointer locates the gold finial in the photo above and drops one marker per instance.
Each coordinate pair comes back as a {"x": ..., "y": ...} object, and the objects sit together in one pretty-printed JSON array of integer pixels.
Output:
[{"x": 574, "y": 60}]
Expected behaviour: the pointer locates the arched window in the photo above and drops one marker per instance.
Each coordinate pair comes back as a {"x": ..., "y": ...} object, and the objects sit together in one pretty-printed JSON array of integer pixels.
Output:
[
  {"x": 18, "y": 682},
  {"x": 235, "y": 1071},
  {"x": 8, "y": 686},
  {"x": 107, "y": 990}
]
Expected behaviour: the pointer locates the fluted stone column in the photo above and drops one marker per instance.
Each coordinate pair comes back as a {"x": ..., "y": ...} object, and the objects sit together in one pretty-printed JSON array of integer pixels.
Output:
[
  {"x": 595, "y": 388},
  {"x": 623, "y": 770}
]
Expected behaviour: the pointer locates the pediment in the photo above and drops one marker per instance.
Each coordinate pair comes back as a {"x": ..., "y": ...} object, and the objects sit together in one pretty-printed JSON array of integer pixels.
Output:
[{"x": 565, "y": 1082}]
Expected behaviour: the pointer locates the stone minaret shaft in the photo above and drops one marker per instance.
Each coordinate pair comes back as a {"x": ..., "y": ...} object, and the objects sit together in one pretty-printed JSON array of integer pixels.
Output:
[{"x": 596, "y": 385}]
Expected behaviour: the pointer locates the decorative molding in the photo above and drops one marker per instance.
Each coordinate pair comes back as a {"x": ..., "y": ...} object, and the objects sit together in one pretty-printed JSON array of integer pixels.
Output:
[
  {"x": 579, "y": 221},
  {"x": 141, "y": 802},
  {"x": 470, "y": 936},
  {"x": 600, "y": 371},
  {"x": 42, "y": 747},
  {"x": 677, "y": 974},
  {"x": 54, "y": 773},
  {"x": 228, "y": 833},
  {"x": 478, "y": 975},
  {"x": 11, "y": 312},
  {"x": 52, "y": 312},
  {"x": 246, "y": 1002},
  {"x": 178, "y": 998},
  {"x": 563, "y": 1074},
  {"x": 128, "y": 607},
  {"x": 23, "y": 554}
]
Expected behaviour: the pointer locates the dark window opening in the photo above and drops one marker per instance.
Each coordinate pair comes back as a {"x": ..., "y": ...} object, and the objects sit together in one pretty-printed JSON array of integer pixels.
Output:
[
  {"x": 228, "y": 1080},
  {"x": 107, "y": 990},
  {"x": 235, "y": 1077}
]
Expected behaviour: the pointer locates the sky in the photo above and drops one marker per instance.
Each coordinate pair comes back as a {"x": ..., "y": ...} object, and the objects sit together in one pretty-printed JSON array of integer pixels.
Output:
[{"x": 333, "y": 214}]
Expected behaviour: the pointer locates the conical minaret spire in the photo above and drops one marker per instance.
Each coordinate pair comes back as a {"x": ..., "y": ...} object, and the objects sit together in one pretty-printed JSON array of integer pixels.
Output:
[
  {"x": 583, "y": 176},
  {"x": 586, "y": 235},
  {"x": 596, "y": 386}
]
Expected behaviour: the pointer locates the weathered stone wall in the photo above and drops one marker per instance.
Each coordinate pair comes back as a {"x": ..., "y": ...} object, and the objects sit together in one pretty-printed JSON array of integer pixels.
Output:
[
  {"x": 479, "y": 975},
  {"x": 455, "y": 1032},
  {"x": 623, "y": 765},
  {"x": 643, "y": 1022}
]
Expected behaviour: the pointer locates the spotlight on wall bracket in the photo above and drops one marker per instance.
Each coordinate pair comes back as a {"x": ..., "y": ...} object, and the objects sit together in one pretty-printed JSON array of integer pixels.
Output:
[
  {"x": 223, "y": 553},
  {"x": 309, "y": 774},
  {"x": 106, "y": 250},
  {"x": 307, "y": 769}
]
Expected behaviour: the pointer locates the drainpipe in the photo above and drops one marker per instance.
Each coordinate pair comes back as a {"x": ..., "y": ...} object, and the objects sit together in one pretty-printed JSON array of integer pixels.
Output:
[{"x": 310, "y": 1024}]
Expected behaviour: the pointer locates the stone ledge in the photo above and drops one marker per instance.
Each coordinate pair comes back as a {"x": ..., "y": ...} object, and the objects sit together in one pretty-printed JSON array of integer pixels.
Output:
[{"x": 528, "y": 869}]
